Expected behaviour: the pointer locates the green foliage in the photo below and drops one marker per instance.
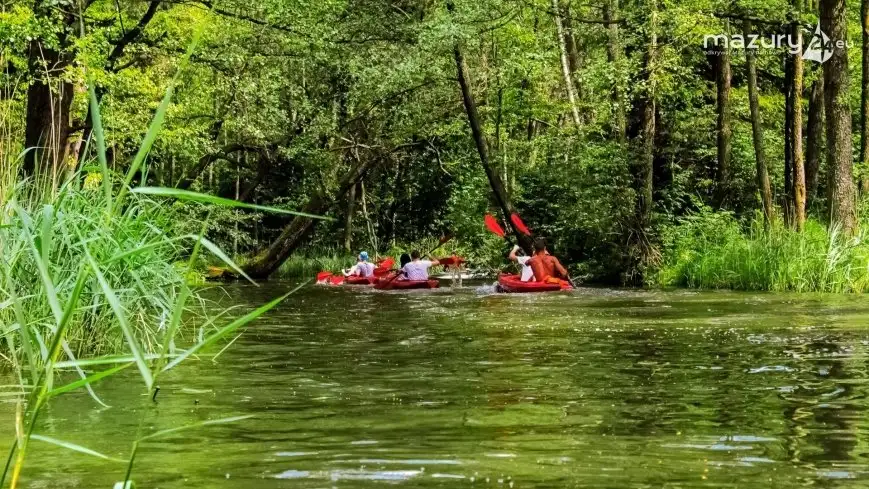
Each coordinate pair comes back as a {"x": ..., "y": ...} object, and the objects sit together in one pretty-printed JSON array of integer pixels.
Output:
[{"x": 713, "y": 250}]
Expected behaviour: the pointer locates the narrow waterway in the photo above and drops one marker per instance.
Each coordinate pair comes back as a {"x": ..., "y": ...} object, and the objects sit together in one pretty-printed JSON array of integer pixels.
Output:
[{"x": 593, "y": 388}]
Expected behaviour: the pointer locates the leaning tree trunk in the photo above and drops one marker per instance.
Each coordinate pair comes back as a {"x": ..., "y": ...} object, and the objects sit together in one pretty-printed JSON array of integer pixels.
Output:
[
  {"x": 501, "y": 195},
  {"x": 799, "y": 182},
  {"x": 841, "y": 192},
  {"x": 614, "y": 56},
  {"x": 301, "y": 226},
  {"x": 814, "y": 138},
  {"x": 723, "y": 77},
  {"x": 757, "y": 131},
  {"x": 864, "y": 100},
  {"x": 565, "y": 63}
]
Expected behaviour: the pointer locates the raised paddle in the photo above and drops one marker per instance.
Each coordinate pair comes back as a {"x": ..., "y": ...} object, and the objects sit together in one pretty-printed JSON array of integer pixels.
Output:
[
  {"x": 493, "y": 226},
  {"x": 442, "y": 242},
  {"x": 517, "y": 222}
]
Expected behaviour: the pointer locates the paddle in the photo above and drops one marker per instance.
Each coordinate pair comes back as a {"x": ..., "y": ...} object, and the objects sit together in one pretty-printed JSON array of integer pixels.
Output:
[
  {"x": 492, "y": 225},
  {"x": 442, "y": 242},
  {"x": 522, "y": 228}
]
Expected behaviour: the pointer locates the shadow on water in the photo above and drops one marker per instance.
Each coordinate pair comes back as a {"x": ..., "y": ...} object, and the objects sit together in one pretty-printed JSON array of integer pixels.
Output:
[{"x": 446, "y": 388}]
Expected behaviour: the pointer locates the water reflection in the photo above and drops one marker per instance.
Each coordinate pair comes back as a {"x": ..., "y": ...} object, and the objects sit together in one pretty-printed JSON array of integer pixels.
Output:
[{"x": 448, "y": 388}]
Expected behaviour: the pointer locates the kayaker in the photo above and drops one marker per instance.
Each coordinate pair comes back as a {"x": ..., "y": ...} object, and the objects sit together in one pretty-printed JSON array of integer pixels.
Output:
[
  {"x": 417, "y": 269},
  {"x": 546, "y": 267},
  {"x": 527, "y": 274},
  {"x": 362, "y": 268}
]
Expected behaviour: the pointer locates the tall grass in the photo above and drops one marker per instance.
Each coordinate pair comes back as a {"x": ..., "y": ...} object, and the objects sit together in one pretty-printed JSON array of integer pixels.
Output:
[
  {"x": 89, "y": 285},
  {"x": 712, "y": 250}
]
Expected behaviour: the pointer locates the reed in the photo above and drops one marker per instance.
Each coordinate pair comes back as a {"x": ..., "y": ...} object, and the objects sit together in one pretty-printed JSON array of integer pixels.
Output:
[
  {"x": 714, "y": 251},
  {"x": 90, "y": 284}
]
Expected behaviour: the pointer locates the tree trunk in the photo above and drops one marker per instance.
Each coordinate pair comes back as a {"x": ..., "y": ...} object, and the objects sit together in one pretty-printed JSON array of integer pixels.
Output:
[
  {"x": 47, "y": 125},
  {"x": 799, "y": 182},
  {"x": 814, "y": 138},
  {"x": 645, "y": 165},
  {"x": 837, "y": 82},
  {"x": 495, "y": 182},
  {"x": 724, "y": 132},
  {"x": 348, "y": 219},
  {"x": 757, "y": 131},
  {"x": 787, "y": 195},
  {"x": 565, "y": 63},
  {"x": 263, "y": 167},
  {"x": 614, "y": 56},
  {"x": 300, "y": 227},
  {"x": 864, "y": 100},
  {"x": 573, "y": 51}
]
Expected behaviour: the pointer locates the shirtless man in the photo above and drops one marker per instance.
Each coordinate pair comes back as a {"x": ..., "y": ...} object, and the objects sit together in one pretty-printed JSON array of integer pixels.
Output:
[{"x": 544, "y": 265}]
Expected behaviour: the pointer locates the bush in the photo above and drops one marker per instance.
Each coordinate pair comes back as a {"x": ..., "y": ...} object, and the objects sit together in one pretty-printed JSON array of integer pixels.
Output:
[{"x": 134, "y": 251}]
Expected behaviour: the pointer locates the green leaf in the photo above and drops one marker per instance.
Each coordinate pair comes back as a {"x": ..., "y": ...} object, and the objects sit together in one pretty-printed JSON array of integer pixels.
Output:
[
  {"x": 74, "y": 447},
  {"x": 88, "y": 380},
  {"x": 106, "y": 360},
  {"x": 121, "y": 316},
  {"x": 229, "y": 328},
  {"x": 100, "y": 137},
  {"x": 211, "y": 199},
  {"x": 216, "y": 251},
  {"x": 195, "y": 425}
]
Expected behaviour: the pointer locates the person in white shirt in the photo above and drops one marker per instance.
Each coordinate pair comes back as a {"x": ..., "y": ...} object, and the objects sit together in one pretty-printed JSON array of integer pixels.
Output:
[
  {"x": 527, "y": 274},
  {"x": 362, "y": 268},
  {"x": 417, "y": 269}
]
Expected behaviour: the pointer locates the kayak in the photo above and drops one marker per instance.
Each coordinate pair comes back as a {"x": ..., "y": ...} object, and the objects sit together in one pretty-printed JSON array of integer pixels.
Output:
[
  {"x": 357, "y": 280},
  {"x": 386, "y": 283},
  {"x": 328, "y": 278},
  {"x": 513, "y": 284}
]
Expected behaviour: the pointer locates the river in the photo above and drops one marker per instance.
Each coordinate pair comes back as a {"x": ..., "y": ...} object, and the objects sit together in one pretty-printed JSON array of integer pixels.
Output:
[{"x": 595, "y": 388}]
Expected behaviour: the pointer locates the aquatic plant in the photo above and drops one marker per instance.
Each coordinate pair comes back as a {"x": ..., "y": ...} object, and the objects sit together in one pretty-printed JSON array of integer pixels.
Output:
[{"x": 90, "y": 284}]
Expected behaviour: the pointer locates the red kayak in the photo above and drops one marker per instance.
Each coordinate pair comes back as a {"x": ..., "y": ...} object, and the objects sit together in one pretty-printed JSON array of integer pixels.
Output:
[
  {"x": 513, "y": 284},
  {"x": 328, "y": 278},
  {"x": 357, "y": 280},
  {"x": 386, "y": 283}
]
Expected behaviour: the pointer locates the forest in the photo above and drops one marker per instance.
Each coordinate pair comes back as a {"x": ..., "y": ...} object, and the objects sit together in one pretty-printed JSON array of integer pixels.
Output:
[{"x": 619, "y": 131}]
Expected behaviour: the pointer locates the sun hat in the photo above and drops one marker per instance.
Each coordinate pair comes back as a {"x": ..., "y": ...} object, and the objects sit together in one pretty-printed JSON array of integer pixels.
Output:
[{"x": 363, "y": 256}]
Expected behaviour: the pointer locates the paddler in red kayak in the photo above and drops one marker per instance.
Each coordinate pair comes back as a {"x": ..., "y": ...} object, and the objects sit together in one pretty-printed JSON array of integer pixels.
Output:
[
  {"x": 416, "y": 269},
  {"x": 546, "y": 267},
  {"x": 362, "y": 268},
  {"x": 527, "y": 273}
]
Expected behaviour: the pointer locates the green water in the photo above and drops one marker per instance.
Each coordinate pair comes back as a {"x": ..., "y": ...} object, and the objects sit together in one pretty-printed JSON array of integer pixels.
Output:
[{"x": 596, "y": 388}]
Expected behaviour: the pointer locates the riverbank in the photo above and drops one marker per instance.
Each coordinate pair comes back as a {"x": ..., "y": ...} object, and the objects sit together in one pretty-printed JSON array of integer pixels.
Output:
[{"x": 713, "y": 250}]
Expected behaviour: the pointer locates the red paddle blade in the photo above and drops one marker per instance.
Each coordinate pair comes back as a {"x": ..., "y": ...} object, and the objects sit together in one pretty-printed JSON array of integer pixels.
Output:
[
  {"x": 323, "y": 276},
  {"x": 336, "y": 280},
  {"x": 520, "y": 226},
  {"x": 492, "y": 225}
]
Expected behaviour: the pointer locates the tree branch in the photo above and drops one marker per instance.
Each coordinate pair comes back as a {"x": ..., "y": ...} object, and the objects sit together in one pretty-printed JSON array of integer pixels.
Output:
[{"x": 132, "y": 34}]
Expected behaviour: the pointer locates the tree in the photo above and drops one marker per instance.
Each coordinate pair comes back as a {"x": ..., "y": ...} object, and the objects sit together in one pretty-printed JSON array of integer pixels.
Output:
[
  {"x": 763, "y": 185},
  {"x": 723, "y": 80},
  {"x": 864, "y": 97},
  {"x": 837, "y": 81},
  {"x": 796, "y": 129},
  {"x": 565, "y": 63},
  {"x": 814, "y": 137}
]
